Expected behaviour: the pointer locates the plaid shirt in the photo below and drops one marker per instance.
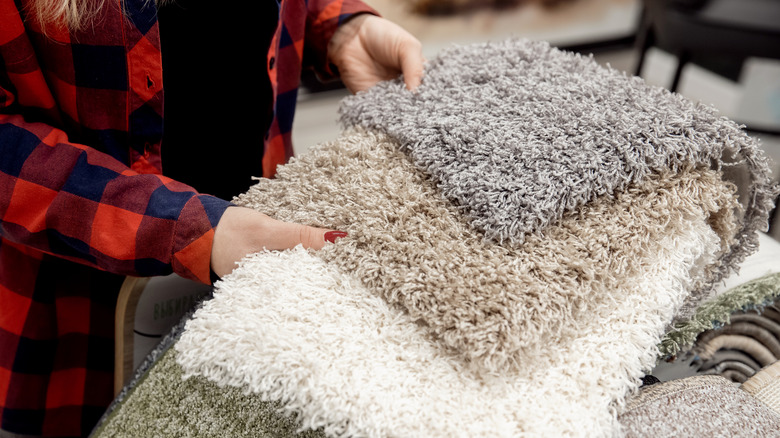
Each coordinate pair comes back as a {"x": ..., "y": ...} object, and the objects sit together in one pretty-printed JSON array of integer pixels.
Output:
[{"x": 74, "y": 219}]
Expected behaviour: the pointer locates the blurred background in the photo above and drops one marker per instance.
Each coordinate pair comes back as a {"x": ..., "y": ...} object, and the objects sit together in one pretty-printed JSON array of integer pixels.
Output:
[{"x": 725, "y": 53}]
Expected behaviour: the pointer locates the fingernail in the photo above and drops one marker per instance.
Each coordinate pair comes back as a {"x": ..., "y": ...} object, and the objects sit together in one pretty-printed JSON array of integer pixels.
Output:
[{"x": 331, "y": 236}]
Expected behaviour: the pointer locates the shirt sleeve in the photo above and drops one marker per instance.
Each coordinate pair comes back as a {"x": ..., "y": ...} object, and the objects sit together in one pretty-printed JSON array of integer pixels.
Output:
[
  {"x": 75, "y": 202},
  {"x": 324, "y": 17}
]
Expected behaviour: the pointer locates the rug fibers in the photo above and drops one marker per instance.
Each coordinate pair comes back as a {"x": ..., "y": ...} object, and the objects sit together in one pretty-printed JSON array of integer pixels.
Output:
[
  {"x": 293, "y": 327},
  {"x": 493, "y": 304}
]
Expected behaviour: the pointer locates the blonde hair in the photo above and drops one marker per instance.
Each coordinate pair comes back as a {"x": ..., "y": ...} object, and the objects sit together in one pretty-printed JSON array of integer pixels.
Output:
[{"x": 73, "y": 14}]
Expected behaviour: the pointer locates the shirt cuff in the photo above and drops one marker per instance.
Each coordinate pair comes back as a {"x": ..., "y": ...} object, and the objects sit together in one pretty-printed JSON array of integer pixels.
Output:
[
  {"x": 320, "y": 30},
  {"x": 194, "y": 236}
]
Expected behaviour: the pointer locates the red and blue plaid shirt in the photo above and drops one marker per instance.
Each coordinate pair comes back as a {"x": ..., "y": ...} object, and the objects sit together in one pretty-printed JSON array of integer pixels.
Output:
[{"x": 83, "y": 201}]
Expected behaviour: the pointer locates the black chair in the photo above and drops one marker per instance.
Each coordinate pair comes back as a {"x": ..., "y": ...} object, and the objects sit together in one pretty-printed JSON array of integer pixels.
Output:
[
  {"x": 691, "y": 28},
  {"x": 738, "y": 28}
]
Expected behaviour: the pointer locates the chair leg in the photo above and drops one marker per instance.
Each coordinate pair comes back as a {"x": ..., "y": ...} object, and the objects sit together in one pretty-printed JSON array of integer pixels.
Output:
[
  {"x": 773, "y": 217},
  {"x": 645, "y": 40},
  {"x": 682, "y": 59},
  {"x": 129, "y": 294}
]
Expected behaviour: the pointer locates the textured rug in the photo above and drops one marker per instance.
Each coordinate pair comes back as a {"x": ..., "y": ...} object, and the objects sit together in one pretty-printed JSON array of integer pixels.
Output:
[
  {"x": 522, "y": 231},
  {"x": 742, "y": 347},
  {"x": 765, "y": 386},
  {"x": 163, "y": 404},
  {"x": 344, "y": 360},
  {"x": 755, "y": 287},
  {"x": 496, "y": 305},
  {"x": 705, "y": 406}
]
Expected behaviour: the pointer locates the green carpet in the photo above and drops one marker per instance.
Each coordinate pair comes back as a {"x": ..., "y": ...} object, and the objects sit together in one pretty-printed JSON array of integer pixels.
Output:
[
  {"x": 753, "y": 294},
  {"x": 162, "y": 404}
]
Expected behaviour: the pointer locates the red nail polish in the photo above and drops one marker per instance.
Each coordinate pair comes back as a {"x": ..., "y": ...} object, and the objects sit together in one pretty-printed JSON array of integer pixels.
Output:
[{"x": 331, "y": 236}]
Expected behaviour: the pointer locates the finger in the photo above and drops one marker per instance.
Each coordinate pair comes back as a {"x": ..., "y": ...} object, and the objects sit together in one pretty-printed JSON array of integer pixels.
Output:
[
  {"x": 412, "y": 63},
  {"x": 290, "y": 235}
]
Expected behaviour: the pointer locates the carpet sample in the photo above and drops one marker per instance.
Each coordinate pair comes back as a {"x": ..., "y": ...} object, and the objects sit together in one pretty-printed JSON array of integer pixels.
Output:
[
  {"x": 735, "y": 376},
  {"x": 765, "y": 386},
  {"x": 493, "y": 304},
  {"x": 163, "y": 404},
  {"x": 751, "y": 334},
  {"x": 732, "y": 370},
  {"x": 517, "y": 133},
  {"x": 770, "y": 313},
  {"x": 766, "y": 318},
  {"x": 752, "y": 347},
  {"x": 748, "y": 329},
  {"x": 698, "y": 406},
  {"x": 730, "y": 356},
  {"x": 522, "y": 230}
]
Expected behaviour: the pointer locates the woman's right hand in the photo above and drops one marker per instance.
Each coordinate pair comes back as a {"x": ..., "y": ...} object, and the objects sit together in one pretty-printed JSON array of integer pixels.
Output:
[{"x": 242, "y": 231}]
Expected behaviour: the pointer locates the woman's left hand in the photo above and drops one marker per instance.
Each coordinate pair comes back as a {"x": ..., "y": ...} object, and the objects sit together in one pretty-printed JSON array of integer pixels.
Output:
[{"x": 368, "y": 49}]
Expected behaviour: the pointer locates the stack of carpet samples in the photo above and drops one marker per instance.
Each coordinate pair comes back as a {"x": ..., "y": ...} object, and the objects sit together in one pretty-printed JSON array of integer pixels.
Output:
[
  {"x": 750, "y": 342},
  {"x": 523, "y": 231},
  {"x": 721, "y": 365}
]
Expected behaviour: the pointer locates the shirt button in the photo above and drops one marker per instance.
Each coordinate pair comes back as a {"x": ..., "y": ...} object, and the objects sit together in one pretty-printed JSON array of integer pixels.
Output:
[{"x": 271, "y": 62}]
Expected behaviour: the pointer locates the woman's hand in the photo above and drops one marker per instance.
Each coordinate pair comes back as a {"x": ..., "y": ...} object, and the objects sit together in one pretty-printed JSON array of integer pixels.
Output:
[
  {"x": 368, "y": 49},
  {"x": 242, "y": 231}
]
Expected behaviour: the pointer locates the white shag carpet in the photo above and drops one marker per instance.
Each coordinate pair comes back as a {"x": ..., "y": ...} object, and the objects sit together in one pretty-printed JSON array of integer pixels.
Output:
[{"x": 288, "y": 327}]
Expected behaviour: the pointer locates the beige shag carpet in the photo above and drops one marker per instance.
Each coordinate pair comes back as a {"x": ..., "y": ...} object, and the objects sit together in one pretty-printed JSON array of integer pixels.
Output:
[{"x": 496, "y": 305}]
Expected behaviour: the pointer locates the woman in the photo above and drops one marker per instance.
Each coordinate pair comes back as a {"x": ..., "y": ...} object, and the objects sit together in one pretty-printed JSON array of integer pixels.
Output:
[{"x": 83, "y": 199}]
